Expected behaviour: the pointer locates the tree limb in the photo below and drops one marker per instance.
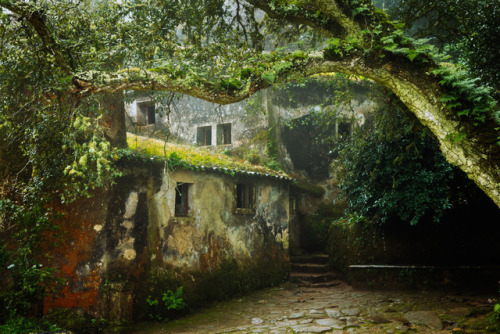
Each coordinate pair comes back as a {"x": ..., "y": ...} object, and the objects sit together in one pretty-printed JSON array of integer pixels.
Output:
[
  {"x": 420, "y": 93},
  {"x": 36, "y": 18}
]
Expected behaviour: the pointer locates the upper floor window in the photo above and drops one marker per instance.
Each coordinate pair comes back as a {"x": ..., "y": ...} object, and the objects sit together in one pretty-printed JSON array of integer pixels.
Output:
[
  {"x": 146, "y": 114},
  {"x": 224, "y": 134},
  {"x": 204, "y": 136}
]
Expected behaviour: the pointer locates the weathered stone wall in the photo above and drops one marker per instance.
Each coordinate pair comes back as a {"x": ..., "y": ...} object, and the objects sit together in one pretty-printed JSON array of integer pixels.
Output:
[
  {"x": 189, "y": 113},
  {"x": 262, "y": 118},
  {"x": 213, "y": 232},
  {"x": 126, "y": 244},
  {"x": 451, "y": 254}
]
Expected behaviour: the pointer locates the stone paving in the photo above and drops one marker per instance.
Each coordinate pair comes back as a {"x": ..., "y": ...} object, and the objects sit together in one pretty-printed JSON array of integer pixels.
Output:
[{"x": 341, "y": 309}]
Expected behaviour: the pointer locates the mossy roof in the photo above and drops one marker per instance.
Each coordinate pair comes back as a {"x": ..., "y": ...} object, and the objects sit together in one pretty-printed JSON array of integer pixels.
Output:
[{"x": 198, "y": 158}]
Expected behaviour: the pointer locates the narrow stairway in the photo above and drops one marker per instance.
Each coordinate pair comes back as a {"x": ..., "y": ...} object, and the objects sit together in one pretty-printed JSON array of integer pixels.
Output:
[{"x": 312, "y": 271}]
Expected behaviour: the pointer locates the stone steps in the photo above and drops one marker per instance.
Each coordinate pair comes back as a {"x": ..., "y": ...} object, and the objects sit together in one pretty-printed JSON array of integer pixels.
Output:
[
  {"x": 312, "y": 258},
  {"x": 312, "y": 271},
  {"x": 309, "y": 268}
]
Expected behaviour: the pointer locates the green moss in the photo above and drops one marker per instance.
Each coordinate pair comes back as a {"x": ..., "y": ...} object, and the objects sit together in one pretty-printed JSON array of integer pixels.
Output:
[
  {"x": 298, "y": 54},
  {"x": 190, "y": 157}
]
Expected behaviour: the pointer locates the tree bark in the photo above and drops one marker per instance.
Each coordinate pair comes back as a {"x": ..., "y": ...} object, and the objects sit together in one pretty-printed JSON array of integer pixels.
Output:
[{"x": 113, "y": 119}]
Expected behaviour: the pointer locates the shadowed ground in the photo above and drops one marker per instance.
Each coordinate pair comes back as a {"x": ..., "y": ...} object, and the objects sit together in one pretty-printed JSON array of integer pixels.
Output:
[{"x": 290, "y": 308}]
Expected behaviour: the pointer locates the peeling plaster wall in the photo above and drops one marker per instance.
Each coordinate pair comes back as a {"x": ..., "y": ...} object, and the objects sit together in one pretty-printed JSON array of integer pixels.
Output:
[
  {"x": 189, "y": 113},
  {"x": 212, "y": 232},
  {"x": 120, "y": 237}
]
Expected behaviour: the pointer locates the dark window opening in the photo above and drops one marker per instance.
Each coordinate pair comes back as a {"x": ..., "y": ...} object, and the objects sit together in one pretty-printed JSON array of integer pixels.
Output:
[
  {"x": 244, "y": 196},
  {"x": 182, "y": 199},
  {"x": 291, "y": 206},
  {"x": 147, "y": 114},
  {"x": 224, "y": 134},
  {"x": 204, "y": 136},
  {"x": 344, "y": 129}
]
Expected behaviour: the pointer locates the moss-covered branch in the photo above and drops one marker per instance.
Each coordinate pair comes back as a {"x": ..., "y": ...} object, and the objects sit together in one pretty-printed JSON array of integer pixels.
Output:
[{"x": 136, "y": 79}]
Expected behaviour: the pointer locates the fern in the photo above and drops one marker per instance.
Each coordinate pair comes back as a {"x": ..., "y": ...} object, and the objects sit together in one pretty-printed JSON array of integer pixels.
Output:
[{"x": 464, "y": 89}]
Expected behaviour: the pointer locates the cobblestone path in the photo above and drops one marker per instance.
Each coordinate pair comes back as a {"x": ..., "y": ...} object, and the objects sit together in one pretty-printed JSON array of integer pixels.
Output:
[{"x": 340, "y": 309}]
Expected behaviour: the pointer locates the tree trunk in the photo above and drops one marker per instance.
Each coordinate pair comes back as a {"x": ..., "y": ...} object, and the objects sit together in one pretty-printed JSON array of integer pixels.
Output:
[{"x": 113, "y": 120}]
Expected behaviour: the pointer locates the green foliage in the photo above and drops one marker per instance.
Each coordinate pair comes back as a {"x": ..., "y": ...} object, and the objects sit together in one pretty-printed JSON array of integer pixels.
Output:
[
  {"x": 496, "y": 317},
  {"x": 232, "y": 84},
  {"x": 395, "y": 170},
  {"x": 23, "y": 277},
  {"x": 474, "y": 42},
  {"x": 268, "y": 77},
  {"x": 253, "y": 157},
  {"x": 170, "y": 301},
  {"x": 282, "y": 66},
  {"x": 340, "y": 48},
  {"x": 413, "y": 49},
  {"x": 272, "y": 161},
  {"x": 93, "y": 165},
  {"x": 22, "y": 325},
  {"x": 53, "y": 146},
  {"x": 466, "y": 97},
  {"x": 273, "y": 164}
]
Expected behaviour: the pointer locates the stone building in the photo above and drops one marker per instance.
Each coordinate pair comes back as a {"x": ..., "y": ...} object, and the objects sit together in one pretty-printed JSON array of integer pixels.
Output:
[
  {"x": 250, "y": 125},
  {"x": 214, "y": 231},
  {"x": 196, "y": 122},
  {"x": 281, "y": 118}
]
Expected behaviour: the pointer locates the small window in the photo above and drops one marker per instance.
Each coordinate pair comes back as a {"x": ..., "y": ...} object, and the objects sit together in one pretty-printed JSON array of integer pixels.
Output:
[
  {"x": 344, "y": 129},
  {"x": 224, "y": 134},
  {"x": 147, "y": 113},
  {"x": 204, "y": 136},
  {"x": 244, "y": 198},
  {"x": 291, "y": 206},
  {"x": 182, "y": 199}
]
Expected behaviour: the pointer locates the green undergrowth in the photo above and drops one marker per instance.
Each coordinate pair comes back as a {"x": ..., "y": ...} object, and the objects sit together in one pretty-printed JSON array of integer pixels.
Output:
[
  {"x": 187, "y": 157},
  {"x": 27, "y": 325}
]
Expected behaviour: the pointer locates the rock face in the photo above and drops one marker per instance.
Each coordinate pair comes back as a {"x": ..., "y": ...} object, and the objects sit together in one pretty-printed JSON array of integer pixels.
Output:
[
  {"x": 425, "y": 318},
  {"x": 155, "y": 231}
]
